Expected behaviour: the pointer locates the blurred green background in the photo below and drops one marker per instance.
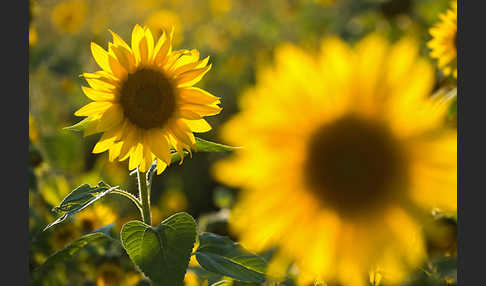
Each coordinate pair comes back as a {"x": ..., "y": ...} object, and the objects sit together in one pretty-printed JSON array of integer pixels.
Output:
[{"x": 239, "y": 36}]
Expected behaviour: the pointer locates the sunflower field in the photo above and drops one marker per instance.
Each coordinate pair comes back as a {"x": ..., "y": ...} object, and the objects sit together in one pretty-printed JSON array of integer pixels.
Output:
[{"x": 243, "y": 142}]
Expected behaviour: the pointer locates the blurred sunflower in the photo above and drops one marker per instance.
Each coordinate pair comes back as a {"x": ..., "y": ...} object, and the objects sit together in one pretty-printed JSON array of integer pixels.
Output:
[
  {"x": 144, "y": 99},
  {"x": 110, "y": 274},
  {"x": 341, "y": 152},
  {"x": 444, "y": 41},
  {"x": 64, "y": 234},
  {"x": 94, "y": 217},
  {"x": 163, "y": 20},
  {"x": 69, "y": 16},
  {"x": 32, "y": 36}
]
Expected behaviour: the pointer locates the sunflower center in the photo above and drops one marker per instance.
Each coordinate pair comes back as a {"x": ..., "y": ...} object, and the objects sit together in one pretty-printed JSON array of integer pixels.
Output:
[
  {"x": 148, "y": 98},
  {"x": 354, "y": 164}
]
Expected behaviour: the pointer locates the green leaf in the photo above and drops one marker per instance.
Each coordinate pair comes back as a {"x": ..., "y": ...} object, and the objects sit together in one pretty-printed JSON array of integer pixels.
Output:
[
  {"x": 205, "y": 146},
  {"x": 80, "y": 126},
  {"x": 72, "y": 249},
  {"x": 78, "y": 199},
  {"x": 162, "y": 253},
  {"x": 221, "y": 255},
  {"x": 223, "y": 283}
]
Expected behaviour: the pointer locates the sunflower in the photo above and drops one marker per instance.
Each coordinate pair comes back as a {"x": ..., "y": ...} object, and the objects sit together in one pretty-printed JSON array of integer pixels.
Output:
[
  {"x": 144, "y": 99},
  {"x": 69, "y": 16},
  {"x": 344, "y": 152},
  {"x": 444, "y": 41},
  {"x": 95, "y": 217}
]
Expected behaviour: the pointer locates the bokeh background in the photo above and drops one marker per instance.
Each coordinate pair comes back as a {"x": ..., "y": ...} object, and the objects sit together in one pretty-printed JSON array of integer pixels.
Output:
[{"x": 239, "y": 36}]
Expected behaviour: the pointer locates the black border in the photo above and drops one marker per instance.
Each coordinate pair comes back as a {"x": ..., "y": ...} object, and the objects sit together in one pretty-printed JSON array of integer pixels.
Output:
[{"x": 471, "y": 146}]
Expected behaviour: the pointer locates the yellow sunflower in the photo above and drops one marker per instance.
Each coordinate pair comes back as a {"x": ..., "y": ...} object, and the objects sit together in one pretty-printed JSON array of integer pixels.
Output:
[
  {"x": 69, "y": 16},
  {"x": 95, "y": 217},
  {"x": 144, "y": 99},
  {"x": 444, "y": 41},
  {"x": 343, "y": 151}
]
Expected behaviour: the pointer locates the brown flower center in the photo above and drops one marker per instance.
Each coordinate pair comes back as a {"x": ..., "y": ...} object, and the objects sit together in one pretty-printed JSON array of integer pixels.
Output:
[
  {"x": 354, "y": 164},
  {"x": 148, "y": 98}
]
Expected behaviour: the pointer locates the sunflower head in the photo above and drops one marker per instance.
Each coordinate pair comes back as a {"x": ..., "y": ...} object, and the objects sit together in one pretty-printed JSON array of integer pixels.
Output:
[
  {"x": 444, "y": 41},
  {"x": 344, "y": 152},
  {"x": 144, "y": 100},
  {"x": 68, "y": 17}
]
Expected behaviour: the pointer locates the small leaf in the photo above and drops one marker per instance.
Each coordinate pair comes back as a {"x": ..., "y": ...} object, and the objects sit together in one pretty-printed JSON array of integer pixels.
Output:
[
  {"x": 72, "y": 249},
  {"x": 205, "y": 146},
  {"x": 80, "y": 126},
  {"x": 78, "y": 199},
  {"x": 162, "y": 253},
  {"x": 221, "y": 255}
]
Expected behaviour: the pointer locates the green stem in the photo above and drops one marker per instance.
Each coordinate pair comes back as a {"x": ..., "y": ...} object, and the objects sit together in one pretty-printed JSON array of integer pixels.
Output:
[{"x": 144, "y": 197}]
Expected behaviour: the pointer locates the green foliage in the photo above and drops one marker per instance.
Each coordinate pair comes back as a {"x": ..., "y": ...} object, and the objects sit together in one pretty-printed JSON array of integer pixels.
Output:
[
  {"x": 221, "y": 255},
  {"x": 78, "y": 199},
  {"x": 80, "y": 126},
  {"x": 161, "y": 252},
  {"x": 223, "y": 283},
  {"x": 72, "y": 249}
]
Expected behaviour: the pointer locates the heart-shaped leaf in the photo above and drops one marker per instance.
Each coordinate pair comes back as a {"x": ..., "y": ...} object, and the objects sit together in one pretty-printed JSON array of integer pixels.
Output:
[
  {"x": 162, "y": 253},
  {"x": 219, "y": 254},
  {"x": 78, "y": 199}
]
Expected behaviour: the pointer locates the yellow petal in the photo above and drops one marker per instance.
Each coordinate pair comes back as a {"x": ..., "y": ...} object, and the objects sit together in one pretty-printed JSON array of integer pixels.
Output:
[
  {"x": 129, "y": 138},
  {"x": 93, "y": 108},
  {"x": 137, "y": 35},
  {"x": 150, "y": 43},
  {"x": 115, "y": 150},
  {"x": 118, "y": 41},
  {"x": 197, "y": 96},
  {"x": 183, "y": 133},
  {"x": 101, "y": 84},
  {"x": 124, "y": 57},
  {"x": 202, "y": 109},
  {"x": 118, "y": 70},
  {"x": 105, "y": 142},
  {"x": 160, "y": 166},
  {"x": 97, "y": 95},
  {"x": 189, "y": 114},
  {"x": 163, "y": 48},
  {"x": 100, "y": 56},
  {"x": 198, "y": 125},
  {"x": 159, "y": 146},
  {"x": 112, "y": 117},
  {"x": 192, "y": 77},
  {"x": 136, "y": 157}
]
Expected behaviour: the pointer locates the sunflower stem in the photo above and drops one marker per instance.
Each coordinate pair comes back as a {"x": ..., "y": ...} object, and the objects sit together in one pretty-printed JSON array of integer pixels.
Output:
[{"x": 144, "y": 191}]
